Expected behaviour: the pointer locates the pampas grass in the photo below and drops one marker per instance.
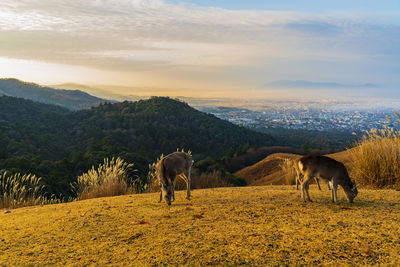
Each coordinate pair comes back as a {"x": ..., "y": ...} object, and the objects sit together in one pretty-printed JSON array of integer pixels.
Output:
[
  {"x": 288, "y": 167},
  {"x": 109, "y": 179},
  {"x": 375, "y": 159},
  {"x": 19, "y": 190}
]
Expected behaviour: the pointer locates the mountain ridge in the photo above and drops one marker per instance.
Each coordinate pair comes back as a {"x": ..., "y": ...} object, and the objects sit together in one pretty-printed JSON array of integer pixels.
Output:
[{"x": 71, "y": 99}]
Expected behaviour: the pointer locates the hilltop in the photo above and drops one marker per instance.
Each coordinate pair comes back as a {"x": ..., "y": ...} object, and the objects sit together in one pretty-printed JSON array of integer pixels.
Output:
[
  {"x": 257, "y": 226},
  {"x": 71, "y": 99}
]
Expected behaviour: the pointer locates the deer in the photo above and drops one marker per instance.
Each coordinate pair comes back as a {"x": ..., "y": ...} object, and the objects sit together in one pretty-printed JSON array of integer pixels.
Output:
[
  {"x": 299, "y": 177},
  {"x": 168, "y": 168},
  {"x": 329, "y": 170}
]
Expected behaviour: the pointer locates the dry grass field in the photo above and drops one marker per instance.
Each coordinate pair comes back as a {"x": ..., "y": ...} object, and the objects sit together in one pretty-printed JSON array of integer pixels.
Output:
[{"x": 224, "y": 226}]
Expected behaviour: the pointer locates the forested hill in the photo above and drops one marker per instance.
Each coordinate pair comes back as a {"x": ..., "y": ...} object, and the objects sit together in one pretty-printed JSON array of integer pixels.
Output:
[
  {"x": 71, "y": 99},
  {"x": 58, "y": 145}
]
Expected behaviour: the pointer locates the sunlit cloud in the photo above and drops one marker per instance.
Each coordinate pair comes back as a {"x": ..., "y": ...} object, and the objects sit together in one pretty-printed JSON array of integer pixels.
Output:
[{"x": 198, "y": 47}]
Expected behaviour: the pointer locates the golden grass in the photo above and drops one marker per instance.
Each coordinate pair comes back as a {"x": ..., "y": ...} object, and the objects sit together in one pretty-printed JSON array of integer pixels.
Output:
[
  {"x": 375, "y": 160},
  {"x": 109, "y": 179},
  {"x": 256, "y": 226},
  {"x": 288, "y": 167},
  {"x": 20, "y": 190},
  {"x": 267, "y": 171}
]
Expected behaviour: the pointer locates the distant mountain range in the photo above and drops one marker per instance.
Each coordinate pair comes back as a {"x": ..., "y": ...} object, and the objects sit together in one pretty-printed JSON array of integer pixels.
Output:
[
  {"x": 71, "y": 99},
  {"x": 97, "y": 91},
  {"x": 315, "y": 85}
]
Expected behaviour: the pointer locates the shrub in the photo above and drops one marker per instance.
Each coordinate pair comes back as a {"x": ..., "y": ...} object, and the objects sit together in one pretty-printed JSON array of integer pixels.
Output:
[
  {"x": 20, "y": 190},
  {"x": 211, "y": 180},
  {"x": 111, "y": 178},
  {"x": 375, "y": 159}
]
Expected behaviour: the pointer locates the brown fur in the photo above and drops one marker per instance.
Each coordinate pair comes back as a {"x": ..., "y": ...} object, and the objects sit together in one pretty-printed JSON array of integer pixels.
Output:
[
  {"x": 169, "y": 167},
  {"x": 328, "y": 169},
  {"x": 299, "y": 176}
]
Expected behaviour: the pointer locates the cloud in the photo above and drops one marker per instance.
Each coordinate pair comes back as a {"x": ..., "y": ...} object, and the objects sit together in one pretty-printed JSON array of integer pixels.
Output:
[
  {"x": 315, "y": 27},
  {"x": 179, "y": 39}
]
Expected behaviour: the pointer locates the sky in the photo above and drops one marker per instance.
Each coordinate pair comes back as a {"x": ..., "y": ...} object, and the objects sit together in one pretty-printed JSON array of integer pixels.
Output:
[{"x": 221, "y": 48}]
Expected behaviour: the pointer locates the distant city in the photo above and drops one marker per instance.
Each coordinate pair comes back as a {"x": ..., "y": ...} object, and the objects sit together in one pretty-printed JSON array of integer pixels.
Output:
[{"x": 308, "y": 115}]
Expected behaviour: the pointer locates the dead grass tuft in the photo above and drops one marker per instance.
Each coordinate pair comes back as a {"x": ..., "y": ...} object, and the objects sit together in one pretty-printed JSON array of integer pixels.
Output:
[
  {"x": 210, "y": 180},
  {"x": 109, "y": 179},
  {"x": 20, "y": 190},
  {"x": 288, "y": 167},
  {"x": 375, "y": 159}
]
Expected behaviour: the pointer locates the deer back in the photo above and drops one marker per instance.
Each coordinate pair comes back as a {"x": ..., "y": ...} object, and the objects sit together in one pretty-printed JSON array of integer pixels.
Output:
[{"x": 325, "y": 168}]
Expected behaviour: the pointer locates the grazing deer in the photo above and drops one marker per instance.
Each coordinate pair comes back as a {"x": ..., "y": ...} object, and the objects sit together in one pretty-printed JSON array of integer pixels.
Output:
[
  {"x": 169, "y": 167},
  {"x": 299, "y": 177},
  {"x": 327, "y": 169}
]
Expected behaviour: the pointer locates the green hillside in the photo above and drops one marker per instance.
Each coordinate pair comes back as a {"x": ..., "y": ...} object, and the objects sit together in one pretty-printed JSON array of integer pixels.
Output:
[{"x": 59, "y": 145}]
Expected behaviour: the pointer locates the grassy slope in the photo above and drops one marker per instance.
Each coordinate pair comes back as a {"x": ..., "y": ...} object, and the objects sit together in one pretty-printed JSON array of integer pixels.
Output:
[
  {"x": 266, "y": 171},
  {"x": 269, "y": 172},
  {"x": 226, "y": 226}
]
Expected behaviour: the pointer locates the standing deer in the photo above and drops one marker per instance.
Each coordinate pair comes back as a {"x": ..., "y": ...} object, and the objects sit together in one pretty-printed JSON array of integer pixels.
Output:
[
  {"x": 330, "y": 170},
  {"x": 169, "y": 167}
]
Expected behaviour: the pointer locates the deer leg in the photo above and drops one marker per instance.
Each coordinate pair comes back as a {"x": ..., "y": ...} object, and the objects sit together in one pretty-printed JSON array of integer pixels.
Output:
[
  {"x": 308, "y": 195},
  {"x": 173, "y": 188},
  {"x": 304, "y": 187},
  {"x": 334, "y": 191},
  {"x": 329, "y": 185},
  {"x": 160, "y": 197},
  {"x": 187, "y": 174},
  {"x": 317, "y": 180},
  {"x": 297, "y": 179},
  {"x": 302, "y": 191}
]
